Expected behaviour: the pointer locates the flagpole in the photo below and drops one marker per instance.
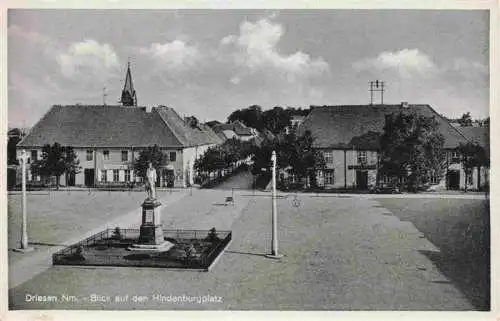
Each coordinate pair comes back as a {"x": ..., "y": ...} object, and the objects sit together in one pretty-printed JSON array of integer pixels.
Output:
[
  {"x": 274, "y": 252},
  {"x": 24, "y": 231}
]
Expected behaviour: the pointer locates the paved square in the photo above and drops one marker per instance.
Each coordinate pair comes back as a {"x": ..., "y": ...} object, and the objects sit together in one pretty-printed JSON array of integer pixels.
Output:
[{"x": 341, "y": 253}]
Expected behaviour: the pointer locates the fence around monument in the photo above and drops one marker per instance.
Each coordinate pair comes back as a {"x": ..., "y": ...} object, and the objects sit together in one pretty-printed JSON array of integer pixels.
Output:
[{"x": 106, "y": 237}]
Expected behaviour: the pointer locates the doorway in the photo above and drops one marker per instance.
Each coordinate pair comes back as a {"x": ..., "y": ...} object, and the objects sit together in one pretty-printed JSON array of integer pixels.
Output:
[
  {"x": 70, "y": 179},
  {"x": 89, "y": 177},
  {"x": 362, "y": 179},
  {"x": 453, "y": 180}
]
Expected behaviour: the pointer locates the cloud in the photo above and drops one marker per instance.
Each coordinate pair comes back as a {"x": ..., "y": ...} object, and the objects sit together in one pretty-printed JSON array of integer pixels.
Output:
[
  {"x": 466, "y": 68},
  {"x": 406, "y": 63},
  {"x": 82, "y": 57},
  {"x": 175, "y": 55},
  {"x": 255, "y": 49},
  {"x": 412, "y": 75},
  {"x": 16, "y": 32}
]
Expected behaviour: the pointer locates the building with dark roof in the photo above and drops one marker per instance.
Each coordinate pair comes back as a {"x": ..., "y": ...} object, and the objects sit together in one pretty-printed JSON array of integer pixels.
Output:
[
  {"x": 236, "y": 130},
  {"x": 349, "y": 135},
  {"x": 107, "y": 139},
  {"x": 477, "y": 135}
]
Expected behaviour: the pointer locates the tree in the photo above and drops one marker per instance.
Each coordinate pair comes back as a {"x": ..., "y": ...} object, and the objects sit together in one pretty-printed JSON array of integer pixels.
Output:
[
  {"x": 411, "y": 148},
  {"x": 294, "y": 153},
  {"x": 217, "y": 158},
  {"x": 251, "y": 116},
  {"x": 472, "y": 155},
  {"x": 276, "y": 119},
  {"x": 72, "y": 164},
  {"x": 213, "y": 160},
  {"x": 11, "y": 150},
  {"x": 192, "y": 121},
  {"x": 262, "y": 157},
  {"x": 297, "y": 111},
  {"x": 465, "y": 120},
  {"x": 56, "y": 160},
  {"x": 153, "y": 155},
  {"x": 297, "y": 152}
]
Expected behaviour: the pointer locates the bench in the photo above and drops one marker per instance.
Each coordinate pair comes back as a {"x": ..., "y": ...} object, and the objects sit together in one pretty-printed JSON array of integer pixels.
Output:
[{"x": 229, "y": 199}]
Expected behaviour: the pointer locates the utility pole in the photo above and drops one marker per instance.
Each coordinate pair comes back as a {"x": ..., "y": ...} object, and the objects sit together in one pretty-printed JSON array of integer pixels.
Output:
[
  {"x": 274, "y": 252},
  {"x": 382, "y": 93},
  {"x": 104, "y": 95},
  {"x": 371, "y": 92},
  {"x": 24, "y": 232},
  {"x": 377, "y": 86}
]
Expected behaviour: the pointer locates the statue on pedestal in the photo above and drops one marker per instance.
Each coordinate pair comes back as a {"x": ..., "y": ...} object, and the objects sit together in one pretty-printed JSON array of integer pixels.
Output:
[{"x": 151, "y": 182}]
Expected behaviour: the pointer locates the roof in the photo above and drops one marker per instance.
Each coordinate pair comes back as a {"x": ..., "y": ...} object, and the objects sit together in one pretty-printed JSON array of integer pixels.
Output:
[
  {"x": 358, "y": 126},
  {"x": 238, "y": 127},
  {"x": 106, "y": 126},
  {"x": 129, "y": 86},
  {"x": 201, "y": 134},
  {"x": 478, "y": 135},
  {"x": 212, "y": 123}
]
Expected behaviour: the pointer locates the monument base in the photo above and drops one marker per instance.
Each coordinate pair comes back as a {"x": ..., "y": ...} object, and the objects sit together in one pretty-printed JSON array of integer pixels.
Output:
[
  {"x": 163, "y": 247},
  {"x": 151, "y": 232}
]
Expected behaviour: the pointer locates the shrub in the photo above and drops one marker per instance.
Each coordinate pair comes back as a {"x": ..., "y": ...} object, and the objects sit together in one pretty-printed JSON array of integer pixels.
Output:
[
  {"x": 79, "y": 253},
  {"x": 117, "y": 234},
  {"x": 212, "y": 236}
]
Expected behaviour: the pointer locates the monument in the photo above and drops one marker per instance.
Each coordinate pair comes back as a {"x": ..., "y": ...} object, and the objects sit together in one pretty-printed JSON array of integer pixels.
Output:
[{"x": 151, "y": 230}]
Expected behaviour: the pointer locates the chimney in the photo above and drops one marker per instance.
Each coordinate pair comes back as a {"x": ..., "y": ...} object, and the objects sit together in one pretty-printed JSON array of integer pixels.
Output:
[{"x": 404, "y": 104}]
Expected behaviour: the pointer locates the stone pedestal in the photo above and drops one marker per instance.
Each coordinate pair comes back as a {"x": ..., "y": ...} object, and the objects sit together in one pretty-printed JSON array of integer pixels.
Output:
[
  {"x": 151, "y": 227},
  {"x": 151, "y": 232}
]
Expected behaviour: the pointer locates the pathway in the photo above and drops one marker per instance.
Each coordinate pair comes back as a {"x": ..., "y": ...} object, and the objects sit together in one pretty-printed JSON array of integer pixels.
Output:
[{"x": 241, "y": 180}]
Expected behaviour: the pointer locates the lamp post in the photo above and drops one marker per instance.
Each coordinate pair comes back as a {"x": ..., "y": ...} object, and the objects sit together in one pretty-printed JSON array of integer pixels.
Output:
[
  {"x": 274, "y": 252},
  {"x": 24, "y": 232}
]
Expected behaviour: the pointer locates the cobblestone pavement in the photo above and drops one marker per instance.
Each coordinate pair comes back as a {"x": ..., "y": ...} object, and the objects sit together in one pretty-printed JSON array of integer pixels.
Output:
[{"x": 340, "y": 253}]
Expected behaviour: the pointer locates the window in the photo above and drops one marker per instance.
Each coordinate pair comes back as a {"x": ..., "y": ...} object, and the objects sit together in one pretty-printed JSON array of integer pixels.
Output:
[
  {"x": 124, "y": 156},
  {"x": 328, "y": 156},
  {"x": 329, "y": 177},
  {"x": 362, "y": 157},
  {"x": 127, "y": 175},
  {"x": 34, "y": 155},
  {"x": 116, "y": 175},
  {"x": 173, "y": 156},
  {"x": 105, "y": 154},
  {"x": 455, "y": 155},
  {"x": 104, "y": 177},
  {"x": 90, "y": 155}
]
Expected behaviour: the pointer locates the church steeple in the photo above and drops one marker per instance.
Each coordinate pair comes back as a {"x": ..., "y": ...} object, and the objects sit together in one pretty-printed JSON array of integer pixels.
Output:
[{"x": 129, "y": 97}]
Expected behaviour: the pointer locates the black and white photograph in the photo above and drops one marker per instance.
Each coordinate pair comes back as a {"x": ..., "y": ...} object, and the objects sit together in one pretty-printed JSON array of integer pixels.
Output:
[{"x": 242, "y": 159}]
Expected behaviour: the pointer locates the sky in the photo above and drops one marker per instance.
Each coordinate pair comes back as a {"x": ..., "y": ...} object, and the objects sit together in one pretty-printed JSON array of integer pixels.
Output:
[{"x": 208, "y": 63}]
